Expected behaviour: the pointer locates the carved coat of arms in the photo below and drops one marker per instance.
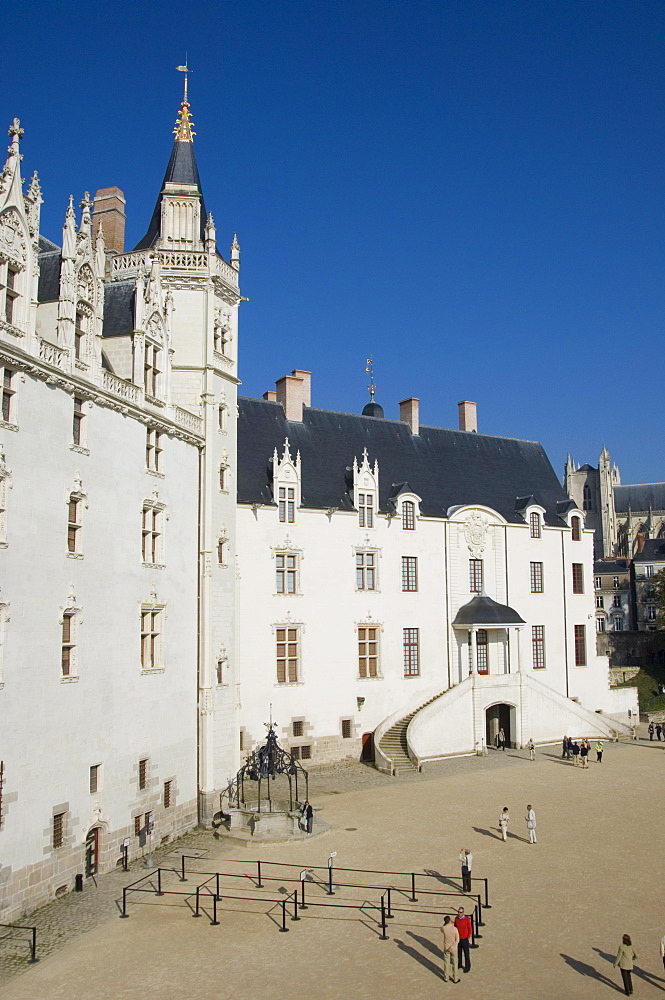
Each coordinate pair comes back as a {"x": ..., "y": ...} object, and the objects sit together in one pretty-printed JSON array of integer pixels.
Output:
[{"x": 475, "y": 532}]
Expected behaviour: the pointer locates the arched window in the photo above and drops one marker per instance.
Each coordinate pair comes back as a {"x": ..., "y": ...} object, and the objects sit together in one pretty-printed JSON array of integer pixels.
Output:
[
  {"x": 534, "y": 523},
  {"x": 408, "y": 515},
  {"x": 576, "y": 528},
  {"x": 587, "y": 505}
]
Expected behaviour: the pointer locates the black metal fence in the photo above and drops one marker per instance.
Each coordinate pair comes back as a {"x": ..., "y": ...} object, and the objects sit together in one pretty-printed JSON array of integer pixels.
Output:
[{"x": 32, "y": 943}]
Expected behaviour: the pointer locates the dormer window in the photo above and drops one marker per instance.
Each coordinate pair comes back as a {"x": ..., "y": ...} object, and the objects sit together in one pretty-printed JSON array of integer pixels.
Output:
[
  {"x": 534, "y": 524},
  {"x": 152, "y": 369},
  {"x": 408, "y": 515},
  {"x": 287, "y": 504},
  {"x": 365, "y": 510},
  {"x": 11, "y": 294},
  {"x": 576, "y": 528}
]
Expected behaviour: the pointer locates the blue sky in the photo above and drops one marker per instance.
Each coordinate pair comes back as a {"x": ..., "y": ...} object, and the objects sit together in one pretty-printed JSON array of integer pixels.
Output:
[{"x": 470, "y": 191}]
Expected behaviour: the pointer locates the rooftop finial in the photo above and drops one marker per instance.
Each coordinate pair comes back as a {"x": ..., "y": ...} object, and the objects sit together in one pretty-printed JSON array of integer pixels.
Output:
[
  {"x": 372, "y": 384},
  {"x": 183, "y": 127}
]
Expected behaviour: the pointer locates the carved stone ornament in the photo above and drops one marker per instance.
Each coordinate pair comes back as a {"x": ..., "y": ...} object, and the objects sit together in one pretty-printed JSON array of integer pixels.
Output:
[
  {"x": 12, "y": 239},
  {"x": 475, "y": 532}
]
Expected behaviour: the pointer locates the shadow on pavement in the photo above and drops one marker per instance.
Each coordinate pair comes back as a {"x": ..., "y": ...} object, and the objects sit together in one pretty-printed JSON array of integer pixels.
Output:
[
  {"x": 453, "y": 883},
  {"x": 487, "y": 833},
  {"x": 588, "y": 970},
  {"x": 419, "y": 957}
]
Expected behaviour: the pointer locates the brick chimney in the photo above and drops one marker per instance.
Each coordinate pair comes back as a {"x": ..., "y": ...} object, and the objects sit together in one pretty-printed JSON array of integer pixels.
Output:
[
  {"x": 293, "y": 392},
  {"x": 270, "y": 395},
  {"x": 109, "y": 209},
  {"x": 408, "y": 413},
  {"x": 468, "y": 420}
]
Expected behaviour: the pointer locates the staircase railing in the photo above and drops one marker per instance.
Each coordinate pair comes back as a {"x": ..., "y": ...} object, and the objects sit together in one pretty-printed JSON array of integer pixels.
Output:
[{"x": 381, "y": 761}]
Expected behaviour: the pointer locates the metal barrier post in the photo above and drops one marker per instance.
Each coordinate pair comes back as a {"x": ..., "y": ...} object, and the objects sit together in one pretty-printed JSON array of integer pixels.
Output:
[
  {"x": 284, "y": 929},
  {"x": 330, "y": 879},
  {"x": 217, "y": 895},
  {"x": 303, "y": 906},
  {"x": 414, "y": 898},
  {"x": 33, "y": 946},
  {"x": 479, "y": 908},
  {"x": 258, "y": 884},
  {"x": 295, "y": 906},
  {"x": 487, "y": 893},
  {"x": 389, "y": 914},
  {"x": 197, "y": 914},
  {"x": 214, "y": 920},
  {"x": 384, "y": 936},
  {"x": 183, "y": 877},
  {"x": 124, "y": 904},
  {"x": 473, "y": 931},
  {"x": 159, "y": 883}
]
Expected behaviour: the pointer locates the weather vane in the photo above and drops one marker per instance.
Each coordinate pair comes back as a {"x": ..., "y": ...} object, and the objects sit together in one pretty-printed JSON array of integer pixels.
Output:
[
  {"x": 186, "y": 70},
  {"x": 370, "y": 371}
]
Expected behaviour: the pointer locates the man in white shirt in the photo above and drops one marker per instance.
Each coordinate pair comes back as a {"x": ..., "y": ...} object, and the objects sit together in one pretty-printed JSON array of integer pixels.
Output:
[
  {"x": 531, "y": 824},
  {"x": 466, "y": 860}
]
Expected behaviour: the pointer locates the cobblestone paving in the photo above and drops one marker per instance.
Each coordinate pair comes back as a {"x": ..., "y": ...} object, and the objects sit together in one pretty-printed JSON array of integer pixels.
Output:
[{"x": 558, "y": 909}]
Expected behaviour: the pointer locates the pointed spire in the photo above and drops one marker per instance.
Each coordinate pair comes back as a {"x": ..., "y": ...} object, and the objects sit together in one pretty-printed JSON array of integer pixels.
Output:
[
  {"x": 69, "y": 231},
  {"x": 86, "y": 217},
  {"x": 235, "y": 253},
  {"x": 183, "y": 126}
]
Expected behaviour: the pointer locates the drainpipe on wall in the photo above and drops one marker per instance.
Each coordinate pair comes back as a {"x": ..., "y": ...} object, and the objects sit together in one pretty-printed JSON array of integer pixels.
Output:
[{"x": 565, "y": 612}]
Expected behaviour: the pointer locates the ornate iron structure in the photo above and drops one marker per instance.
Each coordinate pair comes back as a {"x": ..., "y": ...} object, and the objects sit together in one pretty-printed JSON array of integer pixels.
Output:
[{"x": 264, "y": 765}]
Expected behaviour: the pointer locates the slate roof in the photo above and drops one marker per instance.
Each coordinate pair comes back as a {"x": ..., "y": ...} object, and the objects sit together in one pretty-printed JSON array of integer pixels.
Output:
[
  {"x": 445, "y": 468},
  {"x": 654, "y": 548},
  {"x": 640, "y": 497},
  {"x": 50, "y": 259},
  {"x": 181, "y": 169},
  {"x": 610, "y": 566},
  {"x": 119, "y": 308},
  {"x": 482, "y": 610}
]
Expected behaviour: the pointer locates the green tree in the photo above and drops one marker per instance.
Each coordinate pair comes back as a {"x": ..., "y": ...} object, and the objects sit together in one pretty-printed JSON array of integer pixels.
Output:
[{"x": 659, "y": 588}]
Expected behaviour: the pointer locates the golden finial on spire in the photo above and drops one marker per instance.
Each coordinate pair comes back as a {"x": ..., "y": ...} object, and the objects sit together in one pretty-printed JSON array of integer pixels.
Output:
[
  {"x": 370, "y": 371},
  {"x": 183, "y": 126}
]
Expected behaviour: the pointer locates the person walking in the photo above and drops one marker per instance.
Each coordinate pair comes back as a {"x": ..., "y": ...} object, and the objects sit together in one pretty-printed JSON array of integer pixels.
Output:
[
  {"x": 650, "y": 730},
  {"x": 576, "y": 753},
  {"x": 465, "y": 930},
  {"x": 626, "y": 956},
  {"x": 531, "y": 824},
  {"x": 569, "y": 747},
  {"x": 504, "y": 820},
  {"x": 466, "y": 859},
  {"x": 307, "y": 817},
  {"x": 662, "y": 949},
  {"x": 659, "y": 730},
  {"x": 599, "y": 752},
  {"x": 531, "y": 747},
  {"x": 450, "y": 943},
  {"x": 564, "y": 748},
  {"x": 501, "y": 737},
  {"x": 584, "y": 753}
]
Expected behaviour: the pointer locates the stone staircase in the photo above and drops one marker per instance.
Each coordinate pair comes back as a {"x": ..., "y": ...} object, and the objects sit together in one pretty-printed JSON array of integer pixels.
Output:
[{"x": 393, "y": 742}]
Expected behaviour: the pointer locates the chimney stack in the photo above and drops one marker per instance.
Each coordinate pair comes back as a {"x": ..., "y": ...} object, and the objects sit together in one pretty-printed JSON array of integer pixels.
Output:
[
  {"x": 468, "y": 420},
  {"x": 270, "y": 395},
  {"x": 293, "y": 392},
  {"x": 109, "y": 209},
  {"x": 408, "y": 413}
]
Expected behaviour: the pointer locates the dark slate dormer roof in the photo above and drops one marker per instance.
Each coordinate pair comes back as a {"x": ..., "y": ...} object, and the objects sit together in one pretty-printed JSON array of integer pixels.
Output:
[
  {"x": 119, "y": 308},
  {"x": 644, "y": 496},
  {"x": 181, "y": 169},
  {"x": 373, "y": 409},
  {"x": 50, "y": 259},
  {"x": 610, "y": 566},
  {"x": 446, "y": 468},
  {"x": 482, "y": 610},
  {"x": 565, "y": 506},
  {"x": 654, "y": 549}
]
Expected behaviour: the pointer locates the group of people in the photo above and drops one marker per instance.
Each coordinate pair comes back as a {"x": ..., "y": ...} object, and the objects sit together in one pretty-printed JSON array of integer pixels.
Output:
[
  {"x": 580, "y": 751},
  {"x": 657, "y": 729},
  {"x": 456, "y": 942},
  {"x": 530, "y": 817}
]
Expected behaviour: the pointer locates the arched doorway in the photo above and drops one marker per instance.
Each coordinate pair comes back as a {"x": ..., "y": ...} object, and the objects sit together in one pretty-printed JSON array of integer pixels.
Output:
[
  {"x": 92, "y": 852},
  {"x": 501, "y": 716}
]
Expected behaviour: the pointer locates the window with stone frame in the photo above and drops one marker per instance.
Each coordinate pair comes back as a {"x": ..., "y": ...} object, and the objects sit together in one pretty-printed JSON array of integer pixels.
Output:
[
  {"x": 287, "y": 504},
  {"x": 347, "y": 729},
  {"x": 58, "y": 830},
  {"x": 143, "y": 773},
  {"x": 538, "y": 646},
  {"x": 74, "y": 523},
  {"x": 368, "y": 651},
  {"x": 5, "y": 484},
  {"x": 152, "y": 534},
  {"x": 576, "y": 528},
  {"x": 286, "y": 573},
  {"x": 365, "y": 510},
  {"x": 78, "y": 422},
  {"x": 69, "y": 625},
  {"x": 534, "y": 524},
  {"x": 411, "y": 651},
  {"x": 288, "y": 654},
  {"x": 8, "y": 389},
  {"x": 95, "y": 778},
  {"x": 366, "y": 570},
  {"x": 536, "y": 574},
  {"x": 482, "y": 651},
  {"x": 152, "y": 368},
  {"x": 168, "y": 796},
  {"x": 10, "y": 279},
  {"x": 82, "y": 329},
  {"x": 153, "y": 450},
  {"x": 578, "y": 578},
  {"x": 152, "y": 637}
]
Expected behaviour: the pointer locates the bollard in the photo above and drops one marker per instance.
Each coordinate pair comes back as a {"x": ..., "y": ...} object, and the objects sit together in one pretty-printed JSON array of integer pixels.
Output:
[
  {"x": 197, "y": 914},
  {"x": 414, "y": 898},
  {"x": 479, "y": 916},
  {"x": 124, "y": 904},
  {"x": 295, "y": 906},
  {"x": 125, "y": 858},
  {"x": 330, "y": 881},
  {"x": 258, "y": 884},
  {"x": 159, "y": 883},
  {"x": 487, "y": 894},
  {"x": 473, "y": 932},
  {"x": 183, "y": 877},
  {"x": 33, "y": 946},
  {"x": 384, "y": 936},
  {"x": 302, "y": 896},
  {"x": 389, "y": 914},
  {"x": 284, "y": 929},
  {"x": 214, "y": 920},
  {"x": 217, "y": 895}
]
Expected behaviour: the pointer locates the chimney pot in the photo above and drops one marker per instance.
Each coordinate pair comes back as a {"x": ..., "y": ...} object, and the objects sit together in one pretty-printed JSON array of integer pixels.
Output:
[
  {"x": 408, "y": 413},
  {"x": 270, "y": 395},
  {"x": 468, "y": 420},
  {"x": 108, "y": 208},
  {"x": 293, "y": 392}
]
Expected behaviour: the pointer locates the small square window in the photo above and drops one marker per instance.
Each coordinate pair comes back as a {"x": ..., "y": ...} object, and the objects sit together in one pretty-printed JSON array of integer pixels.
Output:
[
  {"x": 58, "y": 835},
  {"x": 138, "y": 825},
  {"x": 346, "y": 729},
  {"x": 306, "y": 752},
  {"x": 95, "y": 774},
  {"x": 297, "y": 727},
  {"x": 168, "y": 794}
]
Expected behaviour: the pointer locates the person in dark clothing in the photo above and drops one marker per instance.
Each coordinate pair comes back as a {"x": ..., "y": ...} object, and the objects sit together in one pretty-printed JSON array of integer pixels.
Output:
[
  {"x": 576, "y": 753},
  {"x": 569, "y": 747},
  {"x": 564, "y": 747}
]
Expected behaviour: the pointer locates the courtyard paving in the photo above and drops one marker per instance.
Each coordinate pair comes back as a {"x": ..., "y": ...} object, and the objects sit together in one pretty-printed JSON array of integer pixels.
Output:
[{"x": 558, "y": 909}]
